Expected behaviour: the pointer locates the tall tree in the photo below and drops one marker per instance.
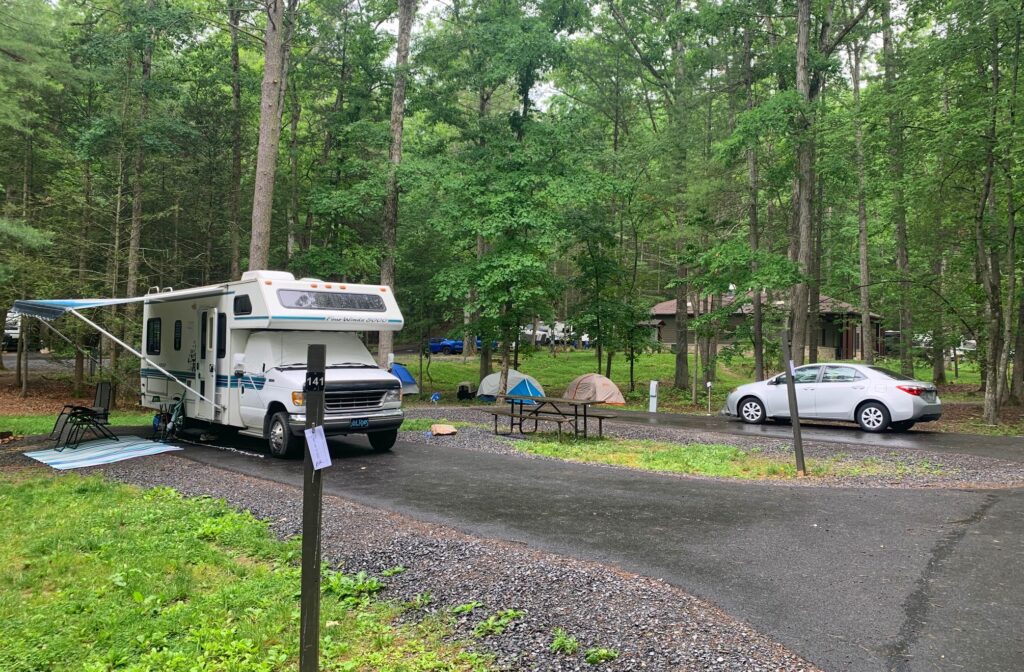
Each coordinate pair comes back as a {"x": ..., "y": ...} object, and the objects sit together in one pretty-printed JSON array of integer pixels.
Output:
[
  {"x": 280, "y": 19},
  {"x": 389, "y": 230}
]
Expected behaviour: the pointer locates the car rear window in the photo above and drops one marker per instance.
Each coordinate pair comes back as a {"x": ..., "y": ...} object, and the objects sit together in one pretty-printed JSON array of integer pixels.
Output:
[{"x": 890, "y": 374}]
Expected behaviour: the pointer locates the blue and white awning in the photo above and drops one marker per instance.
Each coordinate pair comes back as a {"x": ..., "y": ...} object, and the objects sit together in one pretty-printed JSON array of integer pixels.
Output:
[{"x": 51, "y": 309}]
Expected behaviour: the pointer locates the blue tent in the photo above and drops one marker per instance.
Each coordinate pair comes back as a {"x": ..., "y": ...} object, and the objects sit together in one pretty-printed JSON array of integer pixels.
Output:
[
  {"x": 526, "y": 388},
  {"x": 409, "y": 385}
]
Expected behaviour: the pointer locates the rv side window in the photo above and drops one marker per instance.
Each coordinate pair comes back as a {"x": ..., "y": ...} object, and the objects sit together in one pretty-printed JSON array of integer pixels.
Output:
[
  {"x": 177, "y": 335},
  {"x": 243, "y": 305},
  {"x": 222, "y": 335},
  {"x": 202, "y": 337},
  {"x": 153, "y": 336},
  {"x": 310, "y": 300}
]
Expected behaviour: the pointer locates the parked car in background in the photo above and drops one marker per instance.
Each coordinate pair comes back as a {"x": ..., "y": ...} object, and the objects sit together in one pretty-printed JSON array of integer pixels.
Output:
[
  {"x": 873, "y": 397},
  {"x": 12, "y": 327},
  {"x": 445, "y": 346}
]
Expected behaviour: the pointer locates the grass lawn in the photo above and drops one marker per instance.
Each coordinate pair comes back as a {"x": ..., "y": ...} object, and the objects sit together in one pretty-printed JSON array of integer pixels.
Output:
[
  {"x": 707, "y": 459},
  {"x": 98, "y": 576},
  {"x": 30, "y": 425}
]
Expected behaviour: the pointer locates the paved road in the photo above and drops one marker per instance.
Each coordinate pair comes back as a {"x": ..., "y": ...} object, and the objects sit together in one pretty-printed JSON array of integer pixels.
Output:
[
  {"x": 853, "y": 579},
  {"x": 1001, "y": 447}
]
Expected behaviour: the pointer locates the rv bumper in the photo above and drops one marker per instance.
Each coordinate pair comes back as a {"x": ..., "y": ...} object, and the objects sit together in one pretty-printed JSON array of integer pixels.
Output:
[{"x": 343, "y": 424}]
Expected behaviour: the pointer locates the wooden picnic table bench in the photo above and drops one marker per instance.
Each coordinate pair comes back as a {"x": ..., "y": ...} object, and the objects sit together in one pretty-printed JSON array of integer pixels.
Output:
[{"x": 524, "y": 409}]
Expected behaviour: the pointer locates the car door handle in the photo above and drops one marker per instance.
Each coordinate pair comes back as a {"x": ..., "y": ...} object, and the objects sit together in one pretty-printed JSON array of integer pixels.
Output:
[{"x": 857, "y": 387}]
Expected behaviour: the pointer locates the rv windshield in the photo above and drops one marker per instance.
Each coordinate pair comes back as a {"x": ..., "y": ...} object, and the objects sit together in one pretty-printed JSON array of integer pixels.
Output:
[{"x": 309, "y": 300}]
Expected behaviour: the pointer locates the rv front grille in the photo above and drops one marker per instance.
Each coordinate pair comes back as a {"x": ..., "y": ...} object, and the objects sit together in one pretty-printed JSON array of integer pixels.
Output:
[{"x": 351, "y": 402}]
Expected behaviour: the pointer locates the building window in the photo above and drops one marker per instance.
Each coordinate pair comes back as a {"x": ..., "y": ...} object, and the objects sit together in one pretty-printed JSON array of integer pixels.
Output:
[
  {"x": 177, "y": 335},
  {"x": 153, "y": 325},
  {"x": 243, "y": 305}
]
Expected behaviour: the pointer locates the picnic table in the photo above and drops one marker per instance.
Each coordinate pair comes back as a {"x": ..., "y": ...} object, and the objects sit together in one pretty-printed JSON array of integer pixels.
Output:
[{"x": 525, "y": 409}]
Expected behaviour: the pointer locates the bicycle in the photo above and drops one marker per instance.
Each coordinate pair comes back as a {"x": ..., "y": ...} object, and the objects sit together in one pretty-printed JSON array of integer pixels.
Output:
[{"x": 169, "y": 421}]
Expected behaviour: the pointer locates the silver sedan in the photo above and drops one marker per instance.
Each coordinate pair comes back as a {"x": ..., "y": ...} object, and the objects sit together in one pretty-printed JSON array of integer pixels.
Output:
[{"x": 873, "y": 397}]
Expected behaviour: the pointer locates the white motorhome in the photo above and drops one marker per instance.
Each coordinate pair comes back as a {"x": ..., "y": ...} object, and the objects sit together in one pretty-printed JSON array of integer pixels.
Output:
[{"x": 240, "y": 349}]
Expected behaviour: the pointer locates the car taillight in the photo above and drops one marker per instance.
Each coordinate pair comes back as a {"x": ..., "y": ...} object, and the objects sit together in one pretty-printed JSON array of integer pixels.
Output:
[{"x": 915, "y": 390}]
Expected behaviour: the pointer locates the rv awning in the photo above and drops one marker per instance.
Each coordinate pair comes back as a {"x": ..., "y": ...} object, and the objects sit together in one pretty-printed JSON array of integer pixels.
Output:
[{"x": 51, "y": 309}]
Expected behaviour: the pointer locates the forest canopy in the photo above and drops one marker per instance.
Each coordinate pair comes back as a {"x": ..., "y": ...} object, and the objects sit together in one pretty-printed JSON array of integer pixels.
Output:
[{"x": 507, "y": 162}]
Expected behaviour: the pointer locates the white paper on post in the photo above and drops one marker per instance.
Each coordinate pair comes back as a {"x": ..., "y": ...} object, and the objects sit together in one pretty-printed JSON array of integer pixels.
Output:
[{"x": 317, "y": 442}]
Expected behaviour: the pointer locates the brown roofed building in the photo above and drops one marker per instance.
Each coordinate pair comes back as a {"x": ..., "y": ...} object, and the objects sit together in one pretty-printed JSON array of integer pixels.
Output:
[{"x": 838, "y": 335}]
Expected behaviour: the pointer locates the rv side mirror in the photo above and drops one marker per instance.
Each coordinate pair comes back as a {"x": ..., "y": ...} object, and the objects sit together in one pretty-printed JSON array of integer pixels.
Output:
[{"x": 239, "y": 365}]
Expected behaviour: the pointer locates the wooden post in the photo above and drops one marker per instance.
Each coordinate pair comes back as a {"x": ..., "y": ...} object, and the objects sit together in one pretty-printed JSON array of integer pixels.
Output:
[
  {"x": 794, "y": 412},
  {"x": 312, "y": 505}
]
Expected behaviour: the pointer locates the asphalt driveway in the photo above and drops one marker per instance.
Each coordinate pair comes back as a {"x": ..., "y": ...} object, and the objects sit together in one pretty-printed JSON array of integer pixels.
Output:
[{"x": 853, "y": 579}]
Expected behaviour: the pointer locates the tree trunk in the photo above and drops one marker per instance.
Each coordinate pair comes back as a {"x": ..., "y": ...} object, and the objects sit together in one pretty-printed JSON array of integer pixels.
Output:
[
  {"x": 138, "y": 169},
  {"x": 271, "y": 95},
  {"x": 26, "y": 334},
  {"x": 752, "y": 188},
  {"x": 682, "y": 364},
  {"x": 899, "y": 208},
  {"x": 867, "y": 344},
  {"x": 235, "y": 198},
  {"x": 389, "y": 231},
  {"x": 939, "y": 333},
  {"x": 293, "y": 173},
  {"x": 805, "y": 166}
]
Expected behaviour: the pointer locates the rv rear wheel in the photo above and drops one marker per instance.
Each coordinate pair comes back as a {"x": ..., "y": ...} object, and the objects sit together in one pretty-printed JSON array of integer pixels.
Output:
[
  {"x": 381, "y": 442},
  {"x": 280, "y": 440}
]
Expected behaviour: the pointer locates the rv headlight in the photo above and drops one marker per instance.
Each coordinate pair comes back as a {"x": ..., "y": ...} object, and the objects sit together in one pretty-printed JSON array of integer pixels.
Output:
[
  {"x": 298, "y": 398},
  {"x": 392, "y": 395}
]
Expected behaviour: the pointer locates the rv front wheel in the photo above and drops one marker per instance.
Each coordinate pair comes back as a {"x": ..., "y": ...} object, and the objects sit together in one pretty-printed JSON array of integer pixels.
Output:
[
  {"x": 280, "y": 441},
  {"x": 381, "y": 442}
]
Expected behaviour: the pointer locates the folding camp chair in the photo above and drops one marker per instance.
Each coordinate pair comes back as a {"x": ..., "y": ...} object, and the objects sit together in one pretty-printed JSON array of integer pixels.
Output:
[{"x": 74, "y": 421}]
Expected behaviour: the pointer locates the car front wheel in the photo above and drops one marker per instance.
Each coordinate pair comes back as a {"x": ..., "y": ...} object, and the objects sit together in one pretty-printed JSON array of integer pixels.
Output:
[
  {"x": 280, "y": 440},
  {"x": 873, "y": 417},
  {"x": 751, "y": 411}
]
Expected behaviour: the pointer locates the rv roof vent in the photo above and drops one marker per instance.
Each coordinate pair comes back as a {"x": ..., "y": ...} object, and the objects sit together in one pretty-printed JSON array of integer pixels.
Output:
[
  {"x": 267, "y": 275},
  {"x": 310, "y": 280}
]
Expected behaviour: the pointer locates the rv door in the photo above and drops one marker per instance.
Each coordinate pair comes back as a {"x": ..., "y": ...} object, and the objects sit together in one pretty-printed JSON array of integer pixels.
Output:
[{"x": 207, "y": 373}]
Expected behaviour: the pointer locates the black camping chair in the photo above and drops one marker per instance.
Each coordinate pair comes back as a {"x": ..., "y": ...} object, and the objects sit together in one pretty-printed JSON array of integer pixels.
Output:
[{"x": 74, "y": 421}]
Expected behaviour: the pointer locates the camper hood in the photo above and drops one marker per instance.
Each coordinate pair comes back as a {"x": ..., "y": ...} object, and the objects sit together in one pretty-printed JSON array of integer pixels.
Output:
[{"x": 349, "y": 377}]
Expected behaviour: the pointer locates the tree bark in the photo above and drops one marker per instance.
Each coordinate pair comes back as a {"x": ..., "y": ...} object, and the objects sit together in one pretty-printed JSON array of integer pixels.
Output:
[
  {"x": 293, "y": 173},
  {"x": 867, "y": 344},
  {"x": 389, "y": 230},
  {"x": 272, "y": 90},
  {"x": 682, "y": 370},
  {"x": 235, "y": 199},
  {"x": 805, "y": 166},
  {"x": 899, "y": 210},
  {"x": 138, "y": 170},
  {"x": 752, "y": 189}
]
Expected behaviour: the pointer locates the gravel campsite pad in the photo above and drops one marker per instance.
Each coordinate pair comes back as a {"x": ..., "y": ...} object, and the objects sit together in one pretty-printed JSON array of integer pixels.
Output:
[{"x": 899, "y": 468}]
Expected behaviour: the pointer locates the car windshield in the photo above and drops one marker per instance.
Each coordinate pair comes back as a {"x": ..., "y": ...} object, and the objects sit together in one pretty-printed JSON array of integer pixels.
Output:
[{"x": 890, "y": 374}]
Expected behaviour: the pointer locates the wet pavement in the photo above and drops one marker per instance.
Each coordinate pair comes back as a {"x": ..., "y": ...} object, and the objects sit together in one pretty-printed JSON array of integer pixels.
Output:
[{"x": 851, "y": 578}]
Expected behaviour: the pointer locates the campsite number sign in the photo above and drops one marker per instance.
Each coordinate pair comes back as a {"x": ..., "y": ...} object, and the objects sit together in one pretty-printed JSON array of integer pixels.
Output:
[{"x": 314, "y": 381}]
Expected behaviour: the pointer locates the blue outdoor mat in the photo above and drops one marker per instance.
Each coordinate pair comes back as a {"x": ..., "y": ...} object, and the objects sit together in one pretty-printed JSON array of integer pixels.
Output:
[{"x": 100, "y": 451}]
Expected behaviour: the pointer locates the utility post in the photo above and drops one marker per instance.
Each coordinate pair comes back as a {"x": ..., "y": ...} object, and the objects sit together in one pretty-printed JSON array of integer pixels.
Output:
[
  {"x": 794, "y": 412},
  {"x": 312, "y": 505}
]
